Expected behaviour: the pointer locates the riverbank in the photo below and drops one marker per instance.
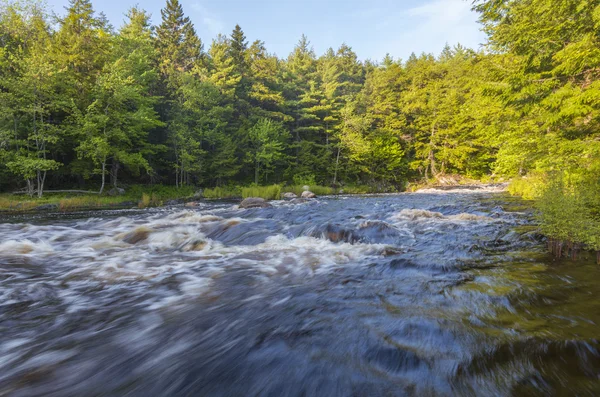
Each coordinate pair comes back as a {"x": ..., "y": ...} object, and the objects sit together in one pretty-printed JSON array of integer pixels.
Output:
[
  {"x": 141, "y": 196},
  {"x": 133, "y": 196}
]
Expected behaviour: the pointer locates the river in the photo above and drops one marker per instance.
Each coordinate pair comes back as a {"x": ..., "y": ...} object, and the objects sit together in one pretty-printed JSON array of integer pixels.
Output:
[{"x": 432, "y": 293}]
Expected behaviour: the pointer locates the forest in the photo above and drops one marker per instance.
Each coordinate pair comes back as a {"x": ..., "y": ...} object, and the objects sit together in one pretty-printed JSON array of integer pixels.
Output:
[{"x": 85, "y": 104}]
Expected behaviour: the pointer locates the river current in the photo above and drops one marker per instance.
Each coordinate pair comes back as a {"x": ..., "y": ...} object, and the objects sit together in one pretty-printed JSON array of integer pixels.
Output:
[{"x": 422, "y": 294}]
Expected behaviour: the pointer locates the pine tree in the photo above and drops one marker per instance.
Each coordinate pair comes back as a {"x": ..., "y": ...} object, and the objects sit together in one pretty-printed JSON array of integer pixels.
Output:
[{"x": 179, "y": 48}]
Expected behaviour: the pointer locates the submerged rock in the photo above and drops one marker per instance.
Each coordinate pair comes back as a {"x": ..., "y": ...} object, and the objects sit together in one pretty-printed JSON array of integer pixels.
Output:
[
  {"x": 289, "y": 195},
  {"x": 307, "y": 194},
  {"x": 254, "y": 202},
  {"x": 137, "y": 235},
  {"x": 299, "y": 201}
]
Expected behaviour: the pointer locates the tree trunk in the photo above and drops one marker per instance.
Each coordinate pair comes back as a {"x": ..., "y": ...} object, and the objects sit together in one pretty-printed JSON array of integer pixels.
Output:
[
  {"x": 29, "y": 187},
  {"x": 41, "y": 182},
  {"x": 337, "y": 162},
  {"x": 256, "y": 172},
  {"x": 114, "y": 173},
  {"x": 431, "y": 153},
  {"x": 103, "y": 176}
]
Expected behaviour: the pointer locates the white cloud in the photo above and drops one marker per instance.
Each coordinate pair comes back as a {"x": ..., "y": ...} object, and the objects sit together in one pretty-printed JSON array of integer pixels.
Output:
[
  {"x": 427, "y": 28},
  {"x": 209, "y": 19}
]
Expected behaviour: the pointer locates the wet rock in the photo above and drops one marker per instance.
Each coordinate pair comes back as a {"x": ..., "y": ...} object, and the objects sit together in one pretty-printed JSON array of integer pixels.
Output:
[
  {"x": 402, "y": 263},
  {"x": 47, "y": 207},
  {"x": 254, "y": 202},
  {"x": 289, "y": 195},
  {"x": 192, "y": 204},
  {"x": 174, "y": 202},
  {"x": 391, "y": 251},
  {"x": 307, "y": 194},
  {"x": 116, "y": 191},
  {"x": 336, "y": 234},
  {"x": 395, "y": 359},
  {"x": 197, "y": 245},
  {"x": 139, "y": 234},
  {"x": 299, "y": 201}
]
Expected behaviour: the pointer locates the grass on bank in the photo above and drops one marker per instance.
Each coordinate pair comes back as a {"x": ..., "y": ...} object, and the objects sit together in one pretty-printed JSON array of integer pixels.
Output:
[
  {"x": 274, "y": 192},
  {"x": 140, "y": 195},
  {"x": 156, "y": 195}
]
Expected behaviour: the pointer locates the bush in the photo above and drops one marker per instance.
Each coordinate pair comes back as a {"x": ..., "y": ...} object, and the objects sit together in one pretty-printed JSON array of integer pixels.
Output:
[{"x": 529, "y": 187}]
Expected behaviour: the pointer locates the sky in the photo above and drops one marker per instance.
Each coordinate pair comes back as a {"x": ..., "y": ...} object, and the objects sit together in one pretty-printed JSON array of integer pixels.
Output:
[{"x": 371, "y": 27}]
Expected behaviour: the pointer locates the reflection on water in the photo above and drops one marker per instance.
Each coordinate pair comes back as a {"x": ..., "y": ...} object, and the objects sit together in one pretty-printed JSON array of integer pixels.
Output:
[{"x": 437, "y": 293}]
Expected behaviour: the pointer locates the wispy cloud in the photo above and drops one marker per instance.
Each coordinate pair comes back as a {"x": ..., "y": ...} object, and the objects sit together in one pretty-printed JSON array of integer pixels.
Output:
[
  {"x": 210, "y": 20},
  {"x": 450, "y": 21},
  {"x": 424, "y": 27}
]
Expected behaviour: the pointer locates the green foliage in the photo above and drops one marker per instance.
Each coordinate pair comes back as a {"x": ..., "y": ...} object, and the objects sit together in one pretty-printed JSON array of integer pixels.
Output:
[{"x": 530, "y": 187}]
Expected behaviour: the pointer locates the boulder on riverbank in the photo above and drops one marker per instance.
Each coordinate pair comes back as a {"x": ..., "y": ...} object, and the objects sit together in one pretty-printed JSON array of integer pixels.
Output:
[
  {"x": 254, "y": 202},
  {"x": 289, "y": 195},
  {"x": 307, "y": 194},
  {"x": 116, "y": 191},
  {"x": 47, "y": 207}
]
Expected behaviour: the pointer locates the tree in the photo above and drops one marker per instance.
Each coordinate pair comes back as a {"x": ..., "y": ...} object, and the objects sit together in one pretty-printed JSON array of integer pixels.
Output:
[
  {"x": 178, "y": 45},
  {"x": 30, "y": 92},
  {"x": 267, "y": 139},
  {"x": 116, "y": 124}
]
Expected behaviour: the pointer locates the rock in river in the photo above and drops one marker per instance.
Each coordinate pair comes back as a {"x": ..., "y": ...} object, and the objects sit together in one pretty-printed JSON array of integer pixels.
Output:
[
  {"x": 289, "y": 195},
  {"x": 254, "y": 202},
  {"x": 308, "y": 194}
]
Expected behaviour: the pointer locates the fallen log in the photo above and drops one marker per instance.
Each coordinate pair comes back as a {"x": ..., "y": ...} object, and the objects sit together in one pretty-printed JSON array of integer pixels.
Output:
[{"x": 60, "y": 191}]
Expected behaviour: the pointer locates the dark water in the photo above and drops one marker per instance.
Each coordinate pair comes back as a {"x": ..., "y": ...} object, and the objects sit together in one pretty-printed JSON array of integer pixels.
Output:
[{"x": 418, "y": 294}]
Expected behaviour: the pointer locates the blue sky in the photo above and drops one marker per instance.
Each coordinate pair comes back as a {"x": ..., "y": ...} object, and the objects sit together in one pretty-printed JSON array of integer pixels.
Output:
[{"x": 371, "y": 27}]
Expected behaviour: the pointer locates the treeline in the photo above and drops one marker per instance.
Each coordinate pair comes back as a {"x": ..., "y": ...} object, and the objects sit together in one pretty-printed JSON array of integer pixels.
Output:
[{"x": 84, "y": 103}]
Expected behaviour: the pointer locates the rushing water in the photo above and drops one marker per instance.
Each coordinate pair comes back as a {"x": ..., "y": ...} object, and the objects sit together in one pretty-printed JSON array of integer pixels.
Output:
[{"x": 435, "y": 293}]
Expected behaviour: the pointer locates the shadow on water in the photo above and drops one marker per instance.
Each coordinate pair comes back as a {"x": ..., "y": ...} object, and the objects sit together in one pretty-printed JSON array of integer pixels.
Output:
[{"x": 437, "y": 293}]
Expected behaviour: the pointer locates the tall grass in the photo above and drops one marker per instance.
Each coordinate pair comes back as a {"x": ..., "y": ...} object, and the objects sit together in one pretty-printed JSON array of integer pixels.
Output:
[
  {"x": 159, "y": 192},
  {"x": 10, "y": 204},
  {"x": 272, "y": 192},
  {"x": 223, "y": 192},
  {"x": 73, "y": 203}
]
